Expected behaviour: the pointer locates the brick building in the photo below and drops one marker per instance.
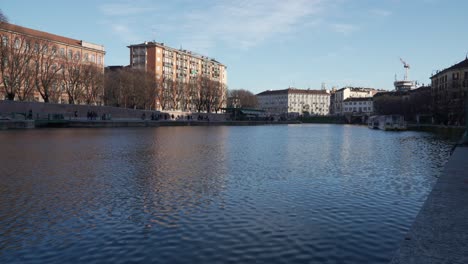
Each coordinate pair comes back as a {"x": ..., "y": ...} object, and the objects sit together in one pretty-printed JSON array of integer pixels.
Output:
[
  {"x": 51, "y": 54},
  {"x": 179, "y": 67},
  {"x": 449, "y": 89}
]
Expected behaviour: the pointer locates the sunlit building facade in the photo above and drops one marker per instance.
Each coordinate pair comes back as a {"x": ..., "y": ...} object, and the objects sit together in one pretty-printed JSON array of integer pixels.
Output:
[
  {"x": 294, "y": 101},
  {"x": 59, "y": 47}
]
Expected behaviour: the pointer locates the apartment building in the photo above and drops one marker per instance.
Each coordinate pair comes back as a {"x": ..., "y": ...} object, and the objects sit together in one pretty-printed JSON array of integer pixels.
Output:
[
  {"x": 349, "y": 92},
  {"x": 449, "y": 89},
  {"x": 360, "y": 105},
  {"x": 176, "y": 68},
  {"x": 175, "y": 64},
  {"x": 294, "y": 101},
  {"x": 47, "y": 47}
]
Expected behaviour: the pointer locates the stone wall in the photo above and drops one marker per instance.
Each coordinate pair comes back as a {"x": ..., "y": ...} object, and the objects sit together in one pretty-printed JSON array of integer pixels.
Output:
[{"x": 10, "y": 109}]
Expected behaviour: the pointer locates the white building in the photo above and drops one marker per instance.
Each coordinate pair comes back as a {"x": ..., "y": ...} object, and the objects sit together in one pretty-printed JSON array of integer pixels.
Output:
[
  {"x": 358, "y": 105},
  {"x": 294, "y": 101},
  {"x": 350, "y": 92}
]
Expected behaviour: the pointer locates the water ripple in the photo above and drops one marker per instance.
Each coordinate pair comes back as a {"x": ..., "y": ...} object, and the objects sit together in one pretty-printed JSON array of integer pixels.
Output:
[{"x": 271, "y": 194}]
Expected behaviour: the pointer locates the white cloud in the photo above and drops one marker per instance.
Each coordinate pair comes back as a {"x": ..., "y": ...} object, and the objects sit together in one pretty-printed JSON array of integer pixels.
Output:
[
  {"x": 381, "y": 12},
  {"x": 245, "y": 23},
  {"x": 125, "y": 33},
  {"x": 200, "y": 25},
  {"x": 124, "y": 9},
  {"x": 345, "y": 29}
]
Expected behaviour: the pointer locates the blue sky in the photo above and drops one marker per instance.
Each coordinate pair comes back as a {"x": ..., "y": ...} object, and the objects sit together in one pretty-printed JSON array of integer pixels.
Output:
[{"x": 271, "y": 44}]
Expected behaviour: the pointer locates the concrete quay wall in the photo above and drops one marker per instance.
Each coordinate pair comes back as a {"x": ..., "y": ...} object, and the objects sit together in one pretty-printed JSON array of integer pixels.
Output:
[
  {"x": 148, "y": 123},
  {"x": 10, "y": 109},
  {"x": 440, "y": 232},
  {"x": 16, "y": 124}
]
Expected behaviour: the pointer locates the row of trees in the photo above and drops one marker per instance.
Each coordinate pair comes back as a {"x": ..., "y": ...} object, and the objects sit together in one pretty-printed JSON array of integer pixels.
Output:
[
  {"x": 30, "y": 65},
  {"x": 242, "y": 98},
  {"x": 409, "y": 104},
  {"x": 135, "y": 88}
]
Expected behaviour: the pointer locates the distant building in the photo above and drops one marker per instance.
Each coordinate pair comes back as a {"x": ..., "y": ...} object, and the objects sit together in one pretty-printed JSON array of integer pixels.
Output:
[
  {"x": 449, "y": 89},
  {"x": 360, "y": 105},
  {"x": 405, "y": 84},
  {"x": 414, "y": 104},
  {"x": 349, "y": 92},
  {"x": 60, "y": 50},
  {"x": 294, "y": 101},
  {"x": 177, "y": 66}
]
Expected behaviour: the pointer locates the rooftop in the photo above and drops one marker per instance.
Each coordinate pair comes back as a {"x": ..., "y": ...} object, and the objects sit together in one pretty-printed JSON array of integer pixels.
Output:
[
  {"x": 461, "y": 65},
  {"x": 184, "y": 51},
  {"x": 358, "y": 99},
  {"x": 48, "y": 36},
  {"x": 294, "y": 91},
  {"x": 358, "y": 89}
]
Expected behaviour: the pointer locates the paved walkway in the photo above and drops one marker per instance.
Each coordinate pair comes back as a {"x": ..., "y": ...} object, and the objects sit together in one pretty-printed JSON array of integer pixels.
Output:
[{"x": 440, "y": 231}]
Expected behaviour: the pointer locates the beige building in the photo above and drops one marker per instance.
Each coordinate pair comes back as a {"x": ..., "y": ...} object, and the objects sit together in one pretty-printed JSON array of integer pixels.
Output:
[
  {"x": 294, "y": 101},
  {"x": 182, "y": 68},
  {"x": 349, "y": 92},
  {"x": 363, "y": 105},
  {"x": 175, "y": 64},
  {"x": 59, "y": 48}
]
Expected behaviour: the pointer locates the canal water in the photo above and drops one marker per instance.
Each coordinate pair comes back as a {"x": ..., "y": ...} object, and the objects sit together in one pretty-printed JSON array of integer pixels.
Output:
[{"x": 263, "y": 194}]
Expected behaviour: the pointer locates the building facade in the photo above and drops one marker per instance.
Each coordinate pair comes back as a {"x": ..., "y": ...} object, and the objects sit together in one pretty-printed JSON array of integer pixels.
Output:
[
  {"x": 50, "y": 54},
  {"x": 358, "y": 105},
  {"x": 178, "y": 66},
  {"x": 294, "y": 101},
  {"x": 449, "y": 89},
  {"x": 349, "y": 92}
]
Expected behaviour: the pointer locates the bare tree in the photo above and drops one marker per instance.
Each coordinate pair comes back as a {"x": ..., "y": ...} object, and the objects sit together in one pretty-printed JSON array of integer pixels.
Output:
[
  {"x": 245, "y": 97},
  {"x": 15, "y": 59},
  {"x": 3, "y": 17},
  {"x": 221, "y": 97},
  {"x": 164, "y": 93},
  {"x": 113, "y": 88},
  {"x": 198, "y": 93},
  {"x": 72, "y": 78},
  {"x": 46, "y": 71},
  {"x": 26, "y": 93},
  {"x": 93, "y": 84},
  {"x": 192, "y": 88}
]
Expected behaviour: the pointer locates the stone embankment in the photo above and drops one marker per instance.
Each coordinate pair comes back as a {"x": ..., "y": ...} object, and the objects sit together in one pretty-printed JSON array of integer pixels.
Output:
[
  {"x": 17, "y": 115},
  {"x": 440, "y": 232}
]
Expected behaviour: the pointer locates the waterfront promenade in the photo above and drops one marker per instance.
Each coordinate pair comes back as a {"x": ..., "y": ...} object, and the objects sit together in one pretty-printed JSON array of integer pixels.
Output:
[{"x": 440, "y": 231}]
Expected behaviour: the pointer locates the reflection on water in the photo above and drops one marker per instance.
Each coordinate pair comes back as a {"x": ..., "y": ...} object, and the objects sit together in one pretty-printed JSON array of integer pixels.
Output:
[{"x": 271, "y": 194}]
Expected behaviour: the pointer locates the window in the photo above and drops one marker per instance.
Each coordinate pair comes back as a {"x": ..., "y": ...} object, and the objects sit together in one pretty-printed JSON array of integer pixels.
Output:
[
  {"x": 54, "y": 50},
  {"x": 62, "y": 52},
  {"x": 70, "y": 54},
  {"x": 466, "y": 76},
  {"x": 455, "y": 76},
  {"x": 77, "y": 55},
  {"x": 4, "y": 40},
  {"x": 93, "y": 58},
  {"x": 86, "y": 57},
  {"x": 17, "y": 43}
]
